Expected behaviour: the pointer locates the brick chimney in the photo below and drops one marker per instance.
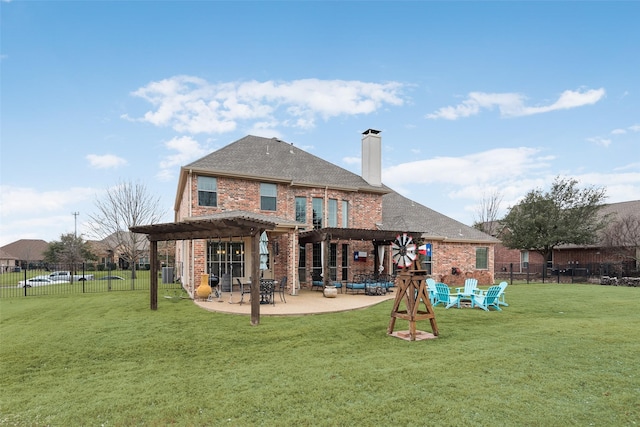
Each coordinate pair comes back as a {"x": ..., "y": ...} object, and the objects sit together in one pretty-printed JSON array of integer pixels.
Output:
[{"x": 372, "y": 157}]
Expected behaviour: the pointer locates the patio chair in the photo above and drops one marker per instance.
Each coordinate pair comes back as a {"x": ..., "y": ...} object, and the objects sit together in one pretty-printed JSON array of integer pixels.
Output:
[
  {"x": 282, "y": 288},
  {"x": 245, "y": 288},
  {"x": 267, "y": 291},
  {"x": 470, "y": 285},
  {"x": 501, "y": 301},
  {"x": 433, "y": 292},
  {"x": 359, "y": 283},
  {"x": 444, "y": 297},
  {"x": 317, "y": 282},
  {"x": 488, "y": 299},
  {"x": 338, "y": 285}
]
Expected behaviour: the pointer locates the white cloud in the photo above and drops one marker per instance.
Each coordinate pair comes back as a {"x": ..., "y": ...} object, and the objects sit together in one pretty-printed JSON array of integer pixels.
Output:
[
  {"x": 31, "y": 214},
  {"x": 186, "y": 149},
  {"x": 604, "y": 142},
  {"x": 488, "y": 166},
  {"x": 620, "y": 187},
  {"x": 618, "y": 132},
  {"x": 513, "y": 104},
  {"x": 106, "y": 161},
  {"x": 351, "y": 160},
  {"x": 20, "y": 200},
  {"x": 193, "y": 105}
]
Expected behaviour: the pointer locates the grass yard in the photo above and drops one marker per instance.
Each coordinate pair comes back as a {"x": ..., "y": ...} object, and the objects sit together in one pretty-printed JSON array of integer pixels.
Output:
[{"x": 560, "y": 355}]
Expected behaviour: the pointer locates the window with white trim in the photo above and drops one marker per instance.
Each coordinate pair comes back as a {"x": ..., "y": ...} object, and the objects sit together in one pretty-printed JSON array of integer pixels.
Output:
[
  {"x": 268, "y": 195},
  {"x": 207, "y": 191},
  {"x": 345, "y": 214},
  {"x": 333, "y": 213}
]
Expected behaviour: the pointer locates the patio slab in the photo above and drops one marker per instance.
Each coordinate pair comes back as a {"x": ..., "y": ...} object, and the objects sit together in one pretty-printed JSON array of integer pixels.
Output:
[{"x": 306, "y": 302}]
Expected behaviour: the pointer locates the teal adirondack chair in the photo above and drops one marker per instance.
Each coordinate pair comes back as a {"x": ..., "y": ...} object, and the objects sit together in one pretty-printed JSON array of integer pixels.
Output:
[
  {"x": 443, "y": 295},
  {"x": 470, "y": 285},
  {"x": 488, "y": 299},
  {"x": 501, "y": 301},
  {"x": 433, "y": 292}
]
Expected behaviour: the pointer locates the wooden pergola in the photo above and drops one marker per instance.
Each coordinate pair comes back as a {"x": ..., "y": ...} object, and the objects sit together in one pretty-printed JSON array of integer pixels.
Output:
[
  {"x": 209, "y": 228},
  {"x": 245, "y": 224}
]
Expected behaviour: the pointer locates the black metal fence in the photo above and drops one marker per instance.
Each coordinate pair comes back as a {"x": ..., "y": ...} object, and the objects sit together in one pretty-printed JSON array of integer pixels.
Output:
[
  {"x": 66, "y": 279},
  {"x": 564, "y": 273}
]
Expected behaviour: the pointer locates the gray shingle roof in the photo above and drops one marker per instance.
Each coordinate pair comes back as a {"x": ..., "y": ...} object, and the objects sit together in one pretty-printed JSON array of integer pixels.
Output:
[
  {"x": 616, "y": 211},
  {"x": 272, "y": 159},
  {"x": 27, "y": 249},
  {"x": 400, "y": 213}
]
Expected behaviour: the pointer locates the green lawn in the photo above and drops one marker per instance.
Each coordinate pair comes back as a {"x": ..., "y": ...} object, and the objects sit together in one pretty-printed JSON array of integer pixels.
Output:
[{"x": 560, "y": 355}]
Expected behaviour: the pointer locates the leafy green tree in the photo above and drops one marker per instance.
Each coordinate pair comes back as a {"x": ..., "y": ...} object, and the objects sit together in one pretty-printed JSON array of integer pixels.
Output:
[
  {"x": 565, "y": 214},
  {"x": 70, "y": 250}
]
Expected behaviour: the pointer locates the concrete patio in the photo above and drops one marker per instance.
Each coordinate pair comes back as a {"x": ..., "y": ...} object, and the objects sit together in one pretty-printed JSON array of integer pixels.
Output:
[{"x": 306, "y": 302}]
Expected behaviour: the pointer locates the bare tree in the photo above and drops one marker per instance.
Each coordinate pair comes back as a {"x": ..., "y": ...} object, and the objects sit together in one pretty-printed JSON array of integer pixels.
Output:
[
  {"x": 486, "y": 215},
  {"x": 125, "y": 205},
  {"x": 622, "y": 237}
]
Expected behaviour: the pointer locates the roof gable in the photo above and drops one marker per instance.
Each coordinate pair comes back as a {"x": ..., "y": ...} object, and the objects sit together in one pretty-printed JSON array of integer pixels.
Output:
[{"x": 259, "y": 158}]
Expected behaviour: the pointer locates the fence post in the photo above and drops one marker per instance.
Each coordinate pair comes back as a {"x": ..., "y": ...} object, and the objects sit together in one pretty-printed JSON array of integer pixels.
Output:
[
  {"x": 84, "y": 276},
  {"x": 25, "y": 281},
  {"x": 511, "y": 273},
  {"x": 558, "y": 270},
  {"x": 528, "y": 271}
]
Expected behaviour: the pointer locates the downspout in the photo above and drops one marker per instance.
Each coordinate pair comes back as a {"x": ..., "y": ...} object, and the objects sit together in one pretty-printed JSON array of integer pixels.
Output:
[
  {"x": 294, "y": 269},
  {"x": 192, "y": 273},
  {"x": 325, "y": 241}
]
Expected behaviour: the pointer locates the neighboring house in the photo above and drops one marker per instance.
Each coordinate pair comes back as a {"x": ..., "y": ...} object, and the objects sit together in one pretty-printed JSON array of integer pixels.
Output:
[
  {"x": 597, "y": 259},
  {"x": 7, "y": 262},
  {"x": 28, "y": 253},
  {"x": 115, "y": 250},
  {"x": 323, "y": 219},
  {"x": 508, "y": 260},
  {"x": 601, "y": 258}
]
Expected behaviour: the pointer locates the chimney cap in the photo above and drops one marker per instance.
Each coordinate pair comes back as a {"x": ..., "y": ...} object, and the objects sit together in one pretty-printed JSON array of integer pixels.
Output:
[{"x": 371, "y": 131}]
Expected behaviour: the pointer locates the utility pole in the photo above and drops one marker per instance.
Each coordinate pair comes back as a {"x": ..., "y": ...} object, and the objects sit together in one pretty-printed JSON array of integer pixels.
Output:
[
  {"x": 75, "y": 226},
  {"x": 75, "y": 240}
]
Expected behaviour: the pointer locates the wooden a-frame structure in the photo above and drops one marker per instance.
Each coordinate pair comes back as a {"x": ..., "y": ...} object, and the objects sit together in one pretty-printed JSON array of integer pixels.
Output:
[{"x": 412, "y": 290}]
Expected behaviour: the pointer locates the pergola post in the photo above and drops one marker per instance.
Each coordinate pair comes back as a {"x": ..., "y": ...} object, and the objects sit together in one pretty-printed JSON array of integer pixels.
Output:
[
  {"x": 153, "y": 260},
  {"x": 255, "y": 277},
  {"x": 326, "y": 274}
]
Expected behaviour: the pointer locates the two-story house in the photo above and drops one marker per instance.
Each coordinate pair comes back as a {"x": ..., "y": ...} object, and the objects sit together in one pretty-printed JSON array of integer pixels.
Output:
[{"x": 323, "y": 219}]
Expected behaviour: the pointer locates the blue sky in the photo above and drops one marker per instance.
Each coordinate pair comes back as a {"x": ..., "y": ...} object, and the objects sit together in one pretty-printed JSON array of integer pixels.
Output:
[{"x": 471, "y": 97}]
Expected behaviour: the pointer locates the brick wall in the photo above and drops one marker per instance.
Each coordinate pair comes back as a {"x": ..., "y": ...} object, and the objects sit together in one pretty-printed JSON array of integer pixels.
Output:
[
  {"x": 365, "y": 211},
  {"x": 462, "y": 257}
]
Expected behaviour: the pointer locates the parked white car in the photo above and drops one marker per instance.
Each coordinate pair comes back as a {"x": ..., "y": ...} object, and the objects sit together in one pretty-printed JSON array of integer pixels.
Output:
[
  {"x": 66, "y": 275},
  {"x": 40, "y": 281}
]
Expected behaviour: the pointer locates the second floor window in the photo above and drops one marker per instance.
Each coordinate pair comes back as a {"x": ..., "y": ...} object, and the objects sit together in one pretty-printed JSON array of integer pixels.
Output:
[
  {"x": 333, "y": 213},
  {"x": 301, "y": 209},
  {"x": 268, "y": 193},
  {"x": 207, "y": 191},
  {"x": 317, "y": 212},
  {"x": 345, "y": 214}
]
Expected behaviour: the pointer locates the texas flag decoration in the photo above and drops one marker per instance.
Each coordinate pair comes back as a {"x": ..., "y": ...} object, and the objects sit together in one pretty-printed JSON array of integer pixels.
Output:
[{"x": 425, "y": 249}]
